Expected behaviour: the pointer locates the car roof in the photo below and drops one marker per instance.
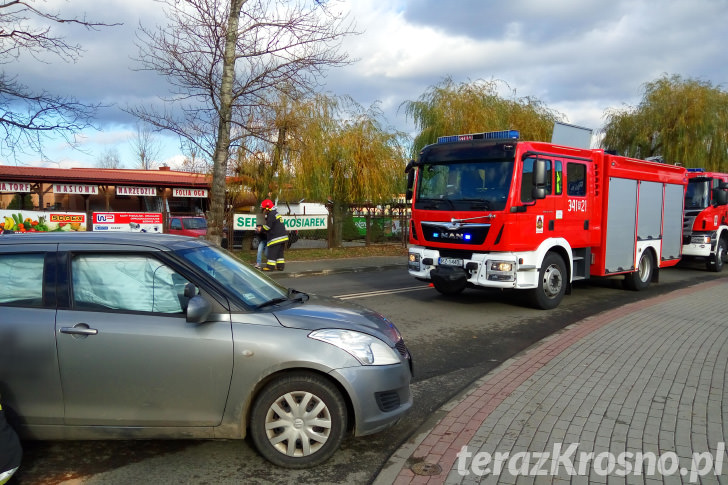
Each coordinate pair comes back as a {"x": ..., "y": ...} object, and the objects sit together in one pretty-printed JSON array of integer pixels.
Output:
[{"x": 158, "y": 241}]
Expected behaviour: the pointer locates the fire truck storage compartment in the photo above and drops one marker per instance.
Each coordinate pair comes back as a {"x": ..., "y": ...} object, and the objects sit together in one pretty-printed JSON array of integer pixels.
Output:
[
  {"x": 653, "y": 210},
  {"x": 621, "y": 224},
  {"x": 672, "y": 226}
]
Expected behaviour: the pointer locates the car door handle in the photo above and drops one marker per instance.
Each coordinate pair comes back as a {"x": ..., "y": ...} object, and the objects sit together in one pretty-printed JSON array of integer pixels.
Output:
[{"x": 79, "y": 329}]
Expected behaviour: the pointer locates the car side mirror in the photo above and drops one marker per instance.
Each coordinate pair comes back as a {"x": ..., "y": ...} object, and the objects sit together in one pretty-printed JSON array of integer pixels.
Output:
[
  {"x": 410, "y": 171},
  {"x": 539, "y": 180},
  {"x": 410, "y": 184},
  {"x": 198, "y": 309}
]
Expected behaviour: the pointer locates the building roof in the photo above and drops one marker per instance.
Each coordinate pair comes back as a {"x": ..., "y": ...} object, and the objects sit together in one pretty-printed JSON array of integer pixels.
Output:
[{"x": 105, "y": 176}]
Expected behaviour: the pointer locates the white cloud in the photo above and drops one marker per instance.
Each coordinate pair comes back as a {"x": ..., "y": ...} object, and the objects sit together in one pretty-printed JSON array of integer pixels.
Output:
[{"x": 580, "y": 57}]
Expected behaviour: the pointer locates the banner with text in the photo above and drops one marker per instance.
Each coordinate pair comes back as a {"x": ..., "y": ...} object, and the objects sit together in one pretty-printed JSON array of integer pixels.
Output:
[
  {"x": 41, "y": 221},
  {"x": 179, "y": 192},
  {"x": 75, "y": 189},
  {"x": 138, "y": 191},
  {"x": 308, "y": 222},
  {"x": 128, "y": 222},
  {"x": 14, "y": 187}
]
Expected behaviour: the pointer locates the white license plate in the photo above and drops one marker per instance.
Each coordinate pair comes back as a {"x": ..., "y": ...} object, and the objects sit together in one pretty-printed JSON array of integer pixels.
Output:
[{"x": 450, "y": 262}]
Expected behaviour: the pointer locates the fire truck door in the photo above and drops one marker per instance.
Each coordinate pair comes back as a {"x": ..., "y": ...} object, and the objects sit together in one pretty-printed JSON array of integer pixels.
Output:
[
  {"x": 574, "y": 208},
  {"x": 539, "y": 217}
]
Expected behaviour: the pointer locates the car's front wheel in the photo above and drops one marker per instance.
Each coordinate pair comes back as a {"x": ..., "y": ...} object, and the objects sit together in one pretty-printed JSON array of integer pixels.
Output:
[{"x": 298, "y": 421}]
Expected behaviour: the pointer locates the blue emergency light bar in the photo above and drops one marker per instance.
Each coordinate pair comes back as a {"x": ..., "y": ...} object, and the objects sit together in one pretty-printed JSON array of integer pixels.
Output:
[
  {"x": 696, "y": 170},
  {"x": 490, "y": 135}
]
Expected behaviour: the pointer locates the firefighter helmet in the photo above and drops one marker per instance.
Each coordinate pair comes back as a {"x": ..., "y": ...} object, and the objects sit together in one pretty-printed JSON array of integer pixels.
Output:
[{"x": 267, "y": 204}]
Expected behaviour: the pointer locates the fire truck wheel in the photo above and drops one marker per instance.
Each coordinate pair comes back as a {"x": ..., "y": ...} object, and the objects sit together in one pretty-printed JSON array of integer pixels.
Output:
[
  {"x": 640, "y": 279},
  {"x": 717, "y": 261},
  {"x": 551, "y": 283}
]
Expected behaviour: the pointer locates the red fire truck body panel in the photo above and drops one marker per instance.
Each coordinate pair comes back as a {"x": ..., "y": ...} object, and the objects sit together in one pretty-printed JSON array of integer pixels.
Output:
[{"x": 496, "y": 212}]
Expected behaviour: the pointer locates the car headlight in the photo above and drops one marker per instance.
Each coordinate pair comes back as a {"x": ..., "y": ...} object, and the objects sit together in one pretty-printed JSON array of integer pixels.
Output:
[{"x": 366, "y": 349}]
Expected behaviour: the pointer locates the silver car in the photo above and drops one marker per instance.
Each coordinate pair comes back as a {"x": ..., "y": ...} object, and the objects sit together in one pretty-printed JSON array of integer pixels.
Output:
[{"x": 129, "y": 336}]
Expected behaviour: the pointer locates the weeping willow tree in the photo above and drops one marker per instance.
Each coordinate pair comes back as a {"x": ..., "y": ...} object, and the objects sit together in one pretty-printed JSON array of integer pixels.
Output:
[
  {"x": 683, "y": 120},
  {"x": 449, "y": 108},
  {"x": 262, "y": 162},
  {"x": 326, "y": 149},
  {"x": 346, "y": 156}
]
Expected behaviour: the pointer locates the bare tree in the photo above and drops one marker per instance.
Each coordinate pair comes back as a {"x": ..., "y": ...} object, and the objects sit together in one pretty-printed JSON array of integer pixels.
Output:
[
  {"x": 27, "y": 117},
  {"x": 145, "y": 146},
  {"x": 225, "y": 60},
  {"x": 193, "y": 163},
  {"x": 109, "y": 159}
]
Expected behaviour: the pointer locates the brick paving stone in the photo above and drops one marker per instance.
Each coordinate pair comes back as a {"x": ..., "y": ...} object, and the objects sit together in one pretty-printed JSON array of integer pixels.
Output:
[{"x": 649, "y": 377}]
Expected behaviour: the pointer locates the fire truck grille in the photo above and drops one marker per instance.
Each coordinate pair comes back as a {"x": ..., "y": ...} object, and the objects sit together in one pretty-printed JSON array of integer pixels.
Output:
[
  {"x": 471, "y": 234},
  {"x": 688, "y": 221}
]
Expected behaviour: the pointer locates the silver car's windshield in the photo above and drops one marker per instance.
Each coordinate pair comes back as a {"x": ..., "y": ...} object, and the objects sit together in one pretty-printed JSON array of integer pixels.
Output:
[{"x": 245, "y": 282}]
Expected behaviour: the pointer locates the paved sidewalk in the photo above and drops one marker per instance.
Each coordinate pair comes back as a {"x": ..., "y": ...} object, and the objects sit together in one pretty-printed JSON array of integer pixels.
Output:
[{"x": 645, "y": 383}]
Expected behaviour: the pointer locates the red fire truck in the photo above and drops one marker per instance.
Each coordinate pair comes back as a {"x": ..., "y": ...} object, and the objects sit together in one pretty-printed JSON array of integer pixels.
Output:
[
  {"x": 489, "y": 210},
  {"x": 705, "y": 229}
]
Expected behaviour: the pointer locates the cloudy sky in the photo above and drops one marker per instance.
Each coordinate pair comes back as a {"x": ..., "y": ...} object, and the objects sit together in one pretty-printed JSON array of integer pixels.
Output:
[{"x": 580, "y": 57}]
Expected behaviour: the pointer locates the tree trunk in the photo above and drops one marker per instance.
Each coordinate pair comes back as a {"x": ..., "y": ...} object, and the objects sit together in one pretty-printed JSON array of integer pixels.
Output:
[
  {"x": 216, "y": 215},
  {"x": 338, "y": 212}
]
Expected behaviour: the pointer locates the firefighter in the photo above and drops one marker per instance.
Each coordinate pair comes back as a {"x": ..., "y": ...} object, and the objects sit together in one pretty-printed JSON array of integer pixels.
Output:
[
  {"x": 276, "y": 235},
  {"x": 10, "y": 450}
]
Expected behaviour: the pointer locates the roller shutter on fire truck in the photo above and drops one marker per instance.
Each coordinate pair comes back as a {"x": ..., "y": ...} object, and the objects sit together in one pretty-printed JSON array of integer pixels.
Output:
[{"x": 638, "y": 213}]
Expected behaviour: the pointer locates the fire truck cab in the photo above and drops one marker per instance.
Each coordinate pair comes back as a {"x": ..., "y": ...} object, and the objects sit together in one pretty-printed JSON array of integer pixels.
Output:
[
  {"x": 489, "y": 210},
  {"x": 705, "y": 227}
]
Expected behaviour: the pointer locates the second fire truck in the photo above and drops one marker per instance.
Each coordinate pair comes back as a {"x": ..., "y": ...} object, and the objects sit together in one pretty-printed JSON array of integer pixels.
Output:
[
  {"x": 489, "y": 210},
  {"x": 705, "y": 229}
]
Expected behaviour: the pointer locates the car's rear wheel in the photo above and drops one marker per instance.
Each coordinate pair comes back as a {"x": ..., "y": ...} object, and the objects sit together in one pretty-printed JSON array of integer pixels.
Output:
[{"x": 298, "y": 421}]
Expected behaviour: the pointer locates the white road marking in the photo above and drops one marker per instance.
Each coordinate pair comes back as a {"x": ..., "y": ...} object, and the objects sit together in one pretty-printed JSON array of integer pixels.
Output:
[{"x": 367, "y": 294}]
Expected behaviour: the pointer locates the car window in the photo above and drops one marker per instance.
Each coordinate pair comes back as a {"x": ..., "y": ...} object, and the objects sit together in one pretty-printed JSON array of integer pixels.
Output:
[
  {"x": 26, "y": 273},
  {"x": 576, "y": 179},
  {"x": 175, "y": 224},
  {"x": 248, "y": 284},
  {"x": 195, "y": 223},
  {"x": 527, "y": 179},
  {"x": 127, "y": 282}
]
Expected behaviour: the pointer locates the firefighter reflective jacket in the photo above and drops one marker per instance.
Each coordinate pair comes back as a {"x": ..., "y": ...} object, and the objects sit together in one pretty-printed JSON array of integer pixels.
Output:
[{"x": 274, "y": 227}]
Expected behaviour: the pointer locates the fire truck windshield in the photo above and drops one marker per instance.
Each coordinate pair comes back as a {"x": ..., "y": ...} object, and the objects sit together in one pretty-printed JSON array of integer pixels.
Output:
[
  {"x": 697, "y": 195},
  {"x": 465, "y": 185}
]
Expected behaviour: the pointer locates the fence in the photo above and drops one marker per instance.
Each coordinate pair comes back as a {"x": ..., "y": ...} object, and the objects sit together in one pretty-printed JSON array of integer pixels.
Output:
[{"x": 361, "y": 226}]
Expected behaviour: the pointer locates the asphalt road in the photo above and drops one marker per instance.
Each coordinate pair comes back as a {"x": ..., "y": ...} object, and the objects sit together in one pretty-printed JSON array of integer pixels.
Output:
[{"x": 454, "y": 341}]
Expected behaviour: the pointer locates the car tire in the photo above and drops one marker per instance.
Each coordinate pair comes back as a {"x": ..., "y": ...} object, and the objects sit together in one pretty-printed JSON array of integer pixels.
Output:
[
  {"x": 717, "y": 261},
  {"x": 552, "y": 281},
  {"x": 298, "y": 421},
  {"x": 640, "y": 279}
]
